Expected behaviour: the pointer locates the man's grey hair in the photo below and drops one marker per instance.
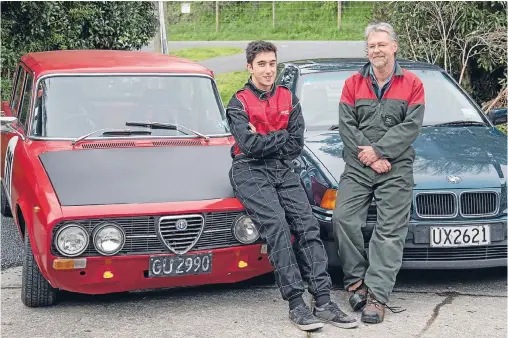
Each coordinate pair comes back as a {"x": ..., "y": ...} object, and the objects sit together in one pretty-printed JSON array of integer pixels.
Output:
[{"x": 380, "y": 27}]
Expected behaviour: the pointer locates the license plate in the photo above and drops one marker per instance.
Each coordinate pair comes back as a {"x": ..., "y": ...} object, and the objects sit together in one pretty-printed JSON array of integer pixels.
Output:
[
  {"x": 180, "y": 265},
  {"x": 447, "y": 236}
]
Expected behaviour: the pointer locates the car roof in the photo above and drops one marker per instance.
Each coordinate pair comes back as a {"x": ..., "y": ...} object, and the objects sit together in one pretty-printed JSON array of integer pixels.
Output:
[
  {"x": 331, "y": 64},
  {"x": 109, "y": 61}
]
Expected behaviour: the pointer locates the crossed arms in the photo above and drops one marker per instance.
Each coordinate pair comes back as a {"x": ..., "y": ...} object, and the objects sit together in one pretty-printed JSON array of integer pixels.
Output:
[{"x": 285, "y": 144}]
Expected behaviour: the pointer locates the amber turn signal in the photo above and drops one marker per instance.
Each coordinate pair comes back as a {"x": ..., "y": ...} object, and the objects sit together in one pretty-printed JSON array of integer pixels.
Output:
[
  {"x": 328, "y": 200},
  {"x": 69, "y": 264}
]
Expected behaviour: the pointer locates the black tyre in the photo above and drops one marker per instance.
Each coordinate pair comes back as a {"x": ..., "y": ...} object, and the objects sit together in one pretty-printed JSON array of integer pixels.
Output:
[
  {"x": 5, "y": 210},
  {"x": 35, "y": 289}
]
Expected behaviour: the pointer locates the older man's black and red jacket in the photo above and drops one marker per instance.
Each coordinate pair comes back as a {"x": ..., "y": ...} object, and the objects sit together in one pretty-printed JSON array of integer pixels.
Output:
[{"x": 277, "y": 119}]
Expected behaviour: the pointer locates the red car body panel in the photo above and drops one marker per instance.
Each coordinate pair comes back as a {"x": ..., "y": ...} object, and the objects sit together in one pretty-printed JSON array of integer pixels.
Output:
[{"x": 33, "y": 196}]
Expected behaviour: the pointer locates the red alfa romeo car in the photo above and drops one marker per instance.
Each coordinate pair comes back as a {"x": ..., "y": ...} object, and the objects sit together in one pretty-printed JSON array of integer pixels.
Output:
[{"x": 115, "y": 170}]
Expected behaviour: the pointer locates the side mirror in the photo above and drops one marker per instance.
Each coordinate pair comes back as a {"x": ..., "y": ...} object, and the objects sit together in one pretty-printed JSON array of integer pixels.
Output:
[
  {"x": 497, "y": 116},
  {"x": 6, "y": 120}
]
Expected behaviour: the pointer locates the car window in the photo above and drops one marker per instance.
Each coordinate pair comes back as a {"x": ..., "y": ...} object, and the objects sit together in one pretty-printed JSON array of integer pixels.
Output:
[
  {"x": 25, "y": 100},
  {"x": 320, "y": 94},
  {"x": 71, "y": 106},
  {"x": 17, "y": 90}
]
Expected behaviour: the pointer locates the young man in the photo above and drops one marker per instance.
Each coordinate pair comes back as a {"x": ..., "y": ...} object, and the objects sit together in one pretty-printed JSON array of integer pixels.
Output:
[
  {"x": 380, "y": 115},
  {"x": 268, "y": 126}
]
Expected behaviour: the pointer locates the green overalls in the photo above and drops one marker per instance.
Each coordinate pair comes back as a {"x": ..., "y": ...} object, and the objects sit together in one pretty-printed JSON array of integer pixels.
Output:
[{"x": 389, "y": 123}]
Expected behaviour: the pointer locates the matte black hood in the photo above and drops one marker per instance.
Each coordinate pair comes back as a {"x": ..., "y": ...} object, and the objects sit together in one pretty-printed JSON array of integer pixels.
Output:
[{"x": 139, "y": 175}]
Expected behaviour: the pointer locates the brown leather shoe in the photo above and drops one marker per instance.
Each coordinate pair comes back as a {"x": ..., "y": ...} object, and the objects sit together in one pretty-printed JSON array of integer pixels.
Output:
[
  {"x": 374, "y": 311},
  {"x": 358, "y": 297}
]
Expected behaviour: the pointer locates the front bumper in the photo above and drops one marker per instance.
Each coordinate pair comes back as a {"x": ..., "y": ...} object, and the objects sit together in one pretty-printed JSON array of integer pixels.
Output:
[
  {"x": 130, "y": 273},
  {"x": 419, "y": 255}
]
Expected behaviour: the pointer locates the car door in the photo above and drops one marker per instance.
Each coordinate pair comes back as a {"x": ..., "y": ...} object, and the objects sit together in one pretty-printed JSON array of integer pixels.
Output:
[{"x": 14, "y": 135}]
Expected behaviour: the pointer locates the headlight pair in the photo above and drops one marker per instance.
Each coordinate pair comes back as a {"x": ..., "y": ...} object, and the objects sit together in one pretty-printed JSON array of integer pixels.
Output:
[{"x": 73, "y": 239}]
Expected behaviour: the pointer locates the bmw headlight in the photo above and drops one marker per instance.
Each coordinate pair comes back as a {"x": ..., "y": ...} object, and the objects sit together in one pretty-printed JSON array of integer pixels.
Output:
[
  {"x": 108, "y": 239},
  {"x": 245, "y": 231},
  {"x": 71, "y": 240}
]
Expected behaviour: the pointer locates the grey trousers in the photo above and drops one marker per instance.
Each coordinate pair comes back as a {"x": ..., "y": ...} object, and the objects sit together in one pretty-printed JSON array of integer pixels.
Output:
[
  {"x": 276, "y": 201},
  {"x": 392, "y": 192}
]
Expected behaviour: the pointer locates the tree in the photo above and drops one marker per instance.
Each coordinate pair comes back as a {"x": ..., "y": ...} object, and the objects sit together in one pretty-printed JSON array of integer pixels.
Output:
[
  {"x": 467, "y": 39},
  {"x": 33, "y": 26}
]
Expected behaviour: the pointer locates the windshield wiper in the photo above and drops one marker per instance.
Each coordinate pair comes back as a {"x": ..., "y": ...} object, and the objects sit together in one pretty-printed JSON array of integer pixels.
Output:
[
  {"x": 457, "y": 123},
  {"x": 164, "y": 125},
  {"x": 113, "y": 132}
]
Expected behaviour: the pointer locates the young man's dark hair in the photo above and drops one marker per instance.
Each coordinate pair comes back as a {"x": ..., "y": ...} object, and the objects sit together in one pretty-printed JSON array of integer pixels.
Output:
[
  {"x": 267, "y": 124},
  {"x": 259, "y": 46}
]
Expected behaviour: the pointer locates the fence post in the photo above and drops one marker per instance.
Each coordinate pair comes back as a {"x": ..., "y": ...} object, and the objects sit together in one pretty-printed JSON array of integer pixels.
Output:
[
  {"x": 216, "y": 17},
  {"x": 339, "y": 14},
  {"x": 273, "y": 14}
]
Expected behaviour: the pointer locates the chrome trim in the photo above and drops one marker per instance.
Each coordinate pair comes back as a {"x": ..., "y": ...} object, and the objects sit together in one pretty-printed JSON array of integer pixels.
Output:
[
  {"x": 437, "y": 193},
  {"x": 498, "y": 202},
  {"x": 77, "y": 225},
  {"x": 141, "y": 236},
  {"x": 65, "y": 74},
  {"x": 185, "y": 216},
  {"x": 100, "y": 227}
]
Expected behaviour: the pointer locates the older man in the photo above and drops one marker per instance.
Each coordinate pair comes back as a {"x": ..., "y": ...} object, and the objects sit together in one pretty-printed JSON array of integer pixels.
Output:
[{"x": 380, "y": 115}]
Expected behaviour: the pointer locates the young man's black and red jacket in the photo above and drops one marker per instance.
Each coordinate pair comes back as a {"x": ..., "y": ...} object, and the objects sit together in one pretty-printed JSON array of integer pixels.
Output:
[{"x": 277, "y": 119}]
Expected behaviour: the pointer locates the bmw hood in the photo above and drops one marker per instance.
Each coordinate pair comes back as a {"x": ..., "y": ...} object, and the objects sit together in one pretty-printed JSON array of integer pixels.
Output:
[
  {"x": 462, "y": 157},
  {"x": 139, "y": 175}
]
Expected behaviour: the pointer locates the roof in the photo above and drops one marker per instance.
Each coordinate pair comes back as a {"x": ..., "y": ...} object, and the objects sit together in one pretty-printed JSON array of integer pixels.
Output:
[
  {"x": 108, "y": 61},
  {"x": 331, "y": 64}
]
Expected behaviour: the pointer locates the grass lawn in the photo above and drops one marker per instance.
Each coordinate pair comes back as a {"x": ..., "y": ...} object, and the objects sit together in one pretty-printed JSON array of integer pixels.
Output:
[
  {"x": 294, "y": 20},
  {"x": 229, "y": 83},
  {"x": 198, "y": 54}
]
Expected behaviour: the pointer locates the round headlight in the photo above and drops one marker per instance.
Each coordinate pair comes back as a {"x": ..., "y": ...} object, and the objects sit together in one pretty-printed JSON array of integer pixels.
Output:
[
  {"x": 245, "y": 231},
  {"x": 108, "y": 239},
  {"x": 71, "y": 240}
]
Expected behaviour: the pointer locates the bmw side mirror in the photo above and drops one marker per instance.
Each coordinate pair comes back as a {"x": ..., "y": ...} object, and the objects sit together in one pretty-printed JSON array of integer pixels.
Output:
[{"x": 497, "y": 116}]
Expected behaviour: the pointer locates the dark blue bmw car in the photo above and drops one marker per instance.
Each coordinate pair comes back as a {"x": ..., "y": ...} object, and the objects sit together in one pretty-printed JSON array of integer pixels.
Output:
[{"x": 459, "y": 206}]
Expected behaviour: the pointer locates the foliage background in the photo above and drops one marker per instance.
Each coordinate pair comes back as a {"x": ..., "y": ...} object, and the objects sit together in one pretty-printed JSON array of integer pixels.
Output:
[
  {"x": 32, "y": 26},
  {"x": 466, "y": 38}
]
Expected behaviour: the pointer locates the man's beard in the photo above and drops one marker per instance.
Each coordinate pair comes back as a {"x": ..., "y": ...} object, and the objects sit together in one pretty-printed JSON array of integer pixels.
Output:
[{"x": 379, "y": 63}]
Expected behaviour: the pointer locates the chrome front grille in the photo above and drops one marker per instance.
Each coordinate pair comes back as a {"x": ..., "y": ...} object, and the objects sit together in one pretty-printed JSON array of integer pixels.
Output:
[
  {"x": 142, "y": 235},
  {"x": 478, "y": 204},
  {"x": 180, "y": 233},
  {"x": 436, "y": 205}
]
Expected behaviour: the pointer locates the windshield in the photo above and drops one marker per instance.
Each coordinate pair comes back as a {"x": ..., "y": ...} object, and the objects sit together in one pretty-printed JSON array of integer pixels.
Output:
[
  {"x": 320, "y": 93},
  {"x": 71, "y": 106}
]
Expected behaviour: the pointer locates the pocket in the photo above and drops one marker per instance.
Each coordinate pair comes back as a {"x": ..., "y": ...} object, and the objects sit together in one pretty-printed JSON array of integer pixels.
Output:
[{"x": 394, "y": 112}]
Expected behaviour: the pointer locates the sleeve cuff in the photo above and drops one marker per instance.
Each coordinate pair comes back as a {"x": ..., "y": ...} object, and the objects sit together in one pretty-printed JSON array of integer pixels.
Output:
[{"x": 378, "y": 151}]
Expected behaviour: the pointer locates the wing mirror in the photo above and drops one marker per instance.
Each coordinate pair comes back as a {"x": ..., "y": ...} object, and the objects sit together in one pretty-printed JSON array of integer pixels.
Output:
[
  {"x": 497, "y": 116},
  {"x": 6, "y": 120}
]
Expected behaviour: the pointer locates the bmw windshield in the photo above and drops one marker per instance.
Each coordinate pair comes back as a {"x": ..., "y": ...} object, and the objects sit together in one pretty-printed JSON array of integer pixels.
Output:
[
  {"x": 320, "y": 94},
  {"x": 72, "y": 106}
]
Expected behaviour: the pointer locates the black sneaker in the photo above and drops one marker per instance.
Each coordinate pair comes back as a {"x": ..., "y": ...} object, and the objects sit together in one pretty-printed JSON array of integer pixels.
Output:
[
  {"x": 302, "y": 318},
  {"x": 331, "y": 313}
]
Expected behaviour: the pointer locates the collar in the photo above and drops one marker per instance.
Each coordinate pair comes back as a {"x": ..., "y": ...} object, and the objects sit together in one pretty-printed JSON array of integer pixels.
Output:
[
  {"x": 366, "y": 69},
  {"x": 261, "y": 94}
]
